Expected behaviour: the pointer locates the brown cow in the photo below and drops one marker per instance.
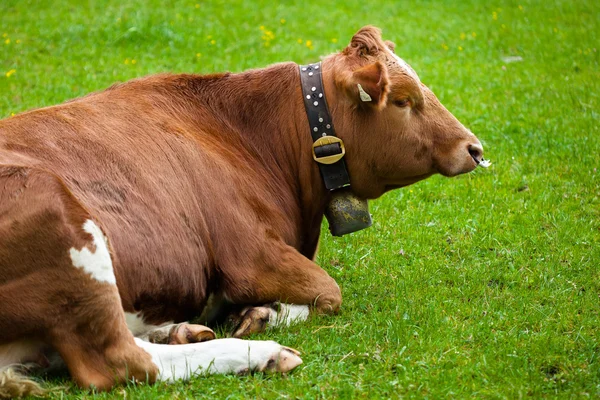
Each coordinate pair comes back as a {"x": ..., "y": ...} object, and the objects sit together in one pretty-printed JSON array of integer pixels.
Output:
[{"x": 129, "y": 211}]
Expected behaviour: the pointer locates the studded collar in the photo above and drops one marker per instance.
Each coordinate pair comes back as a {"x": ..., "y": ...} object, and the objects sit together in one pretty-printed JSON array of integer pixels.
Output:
[{"x": 328, "y": 149}]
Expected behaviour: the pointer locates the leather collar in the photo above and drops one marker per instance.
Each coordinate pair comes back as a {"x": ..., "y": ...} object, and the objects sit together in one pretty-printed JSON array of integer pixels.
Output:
[{"x": 328, "y": 149}]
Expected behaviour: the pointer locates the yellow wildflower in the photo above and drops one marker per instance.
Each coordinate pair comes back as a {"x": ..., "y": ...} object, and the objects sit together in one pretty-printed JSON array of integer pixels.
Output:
[
  {"x": 309, "y": 44},
  {"x": 267, "y": 36},
  {"x": 198, "y": 55},
  {"x": 473, "y": 34},
  {"x": 495, "y": 16},
  {"x": 127, "y": 61},
  {"x": 7, "y": 41},
  {"x": 5, "y": 35},
  {"x": 462, "y": 36},
  {"x": 282, "y": 21},
  {"x": 460, "y": 48},
  {"x": 197, "y": 5},
  {"x": 334, "y": 40},
  {"x": 12, "y": 114},
  {"x": 262, "y": 27},
  {"x": 300, "y": 41},
  {"x": 133, "y": 61},
  {"x": 520, "y": 7},
  {"x": 18, "y": 41},
  {"x": 444, "y": 46},
  {"x": 11, "y": 72},
  {"x": 213, "y": 41}
]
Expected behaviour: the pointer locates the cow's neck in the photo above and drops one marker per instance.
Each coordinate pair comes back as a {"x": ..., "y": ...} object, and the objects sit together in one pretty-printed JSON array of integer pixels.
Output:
[{"x": 265, "y": 107}]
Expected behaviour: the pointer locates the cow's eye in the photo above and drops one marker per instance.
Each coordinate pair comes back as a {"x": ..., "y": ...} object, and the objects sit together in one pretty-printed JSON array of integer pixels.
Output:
[{"x": 402, "y": 102}]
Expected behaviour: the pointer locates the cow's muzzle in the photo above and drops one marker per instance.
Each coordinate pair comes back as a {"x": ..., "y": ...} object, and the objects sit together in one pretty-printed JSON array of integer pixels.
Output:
[{"x": 476, "y": 152}]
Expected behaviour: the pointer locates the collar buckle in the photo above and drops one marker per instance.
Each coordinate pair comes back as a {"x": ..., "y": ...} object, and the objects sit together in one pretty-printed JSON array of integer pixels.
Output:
[{"x": 328, "y": 150}]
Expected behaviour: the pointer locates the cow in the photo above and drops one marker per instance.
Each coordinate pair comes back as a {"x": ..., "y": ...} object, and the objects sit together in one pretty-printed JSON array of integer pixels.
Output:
[{"x": 130, "y": 211}]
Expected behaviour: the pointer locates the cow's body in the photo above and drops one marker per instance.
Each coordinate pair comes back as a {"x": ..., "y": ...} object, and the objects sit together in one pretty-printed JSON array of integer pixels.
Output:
[
  {"x": 155, "y": 195},
  {"x": 167, "y": 178}
]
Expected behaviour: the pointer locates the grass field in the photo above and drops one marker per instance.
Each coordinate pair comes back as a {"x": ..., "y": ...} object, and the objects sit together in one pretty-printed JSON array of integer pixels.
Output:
[{"x": 486, "y": 285}]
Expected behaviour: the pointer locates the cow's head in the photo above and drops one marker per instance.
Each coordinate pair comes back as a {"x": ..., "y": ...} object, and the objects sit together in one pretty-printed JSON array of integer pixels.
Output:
[{"x": 395, "y": 129}]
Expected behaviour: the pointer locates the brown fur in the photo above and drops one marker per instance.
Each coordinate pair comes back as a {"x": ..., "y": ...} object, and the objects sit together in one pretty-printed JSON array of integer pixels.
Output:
[{"x": 202, "y": 184}]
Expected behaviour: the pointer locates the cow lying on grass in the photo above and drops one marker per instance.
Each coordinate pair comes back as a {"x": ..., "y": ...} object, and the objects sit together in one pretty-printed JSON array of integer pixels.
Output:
[{"x": 127, "y": 212}]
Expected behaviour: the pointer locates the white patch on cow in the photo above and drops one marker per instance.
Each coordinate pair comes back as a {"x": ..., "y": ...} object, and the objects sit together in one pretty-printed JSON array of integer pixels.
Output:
[
  {"x": 137, "y": 326},
  {"x": 98, "y": 264},
  {"x": 288, "y": 314},
  {"x": 404, "y": 65},
  {"x": 220, "y": 356}
]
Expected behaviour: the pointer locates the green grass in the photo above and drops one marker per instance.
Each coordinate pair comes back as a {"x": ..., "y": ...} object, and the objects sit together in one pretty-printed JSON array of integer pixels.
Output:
[{"x": 486, "y": 285}]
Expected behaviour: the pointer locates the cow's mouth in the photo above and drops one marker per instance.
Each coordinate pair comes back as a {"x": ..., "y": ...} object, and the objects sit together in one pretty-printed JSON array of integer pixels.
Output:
[
  {"x": 484, "y": 163},
  {"x": 481, "y": 162}
]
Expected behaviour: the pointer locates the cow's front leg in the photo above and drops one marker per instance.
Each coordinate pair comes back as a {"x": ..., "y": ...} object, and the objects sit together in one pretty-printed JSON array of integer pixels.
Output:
[
  {"x": 221, "y": 356},
  {"x": 281, "y": 275}
]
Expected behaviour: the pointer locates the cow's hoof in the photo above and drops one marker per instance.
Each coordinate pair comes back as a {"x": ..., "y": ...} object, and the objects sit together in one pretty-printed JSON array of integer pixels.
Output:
[
  {"x": 190, "y": 333},
  {"x": 269, "y": 360},
  {"x": 252, "y": 320},
  {"x": 287, "y": 360}
]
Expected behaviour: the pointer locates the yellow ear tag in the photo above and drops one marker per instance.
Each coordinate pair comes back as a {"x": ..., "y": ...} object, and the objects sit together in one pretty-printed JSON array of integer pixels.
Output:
[{"x": 364, "y": 96}]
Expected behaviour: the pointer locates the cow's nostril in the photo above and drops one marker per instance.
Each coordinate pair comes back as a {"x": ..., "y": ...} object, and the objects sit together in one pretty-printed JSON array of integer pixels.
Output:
[{"x": 476, "y": 151}]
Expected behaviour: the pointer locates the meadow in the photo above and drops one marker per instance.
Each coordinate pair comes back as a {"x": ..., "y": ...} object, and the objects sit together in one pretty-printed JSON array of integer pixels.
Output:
[{"x": 486, "y": 285}]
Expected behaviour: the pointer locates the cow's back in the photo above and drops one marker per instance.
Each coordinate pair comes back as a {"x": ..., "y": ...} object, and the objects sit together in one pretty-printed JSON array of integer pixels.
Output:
[{"x": 135, "y": 168}]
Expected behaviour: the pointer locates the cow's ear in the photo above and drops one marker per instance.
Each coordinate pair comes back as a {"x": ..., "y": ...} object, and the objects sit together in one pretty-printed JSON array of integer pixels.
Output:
[
  {"x": 366, "y": 42},
  {"x": 371, "y": 85}
]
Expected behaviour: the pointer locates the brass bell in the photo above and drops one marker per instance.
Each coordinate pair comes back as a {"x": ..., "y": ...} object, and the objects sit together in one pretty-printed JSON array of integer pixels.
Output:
[{"x": 347, "y": 213}]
